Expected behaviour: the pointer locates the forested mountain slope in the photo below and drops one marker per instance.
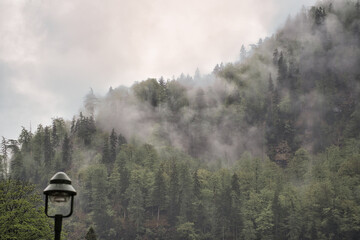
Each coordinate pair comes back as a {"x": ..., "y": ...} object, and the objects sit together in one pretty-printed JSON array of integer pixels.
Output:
[{"x": 263, "y": 148}]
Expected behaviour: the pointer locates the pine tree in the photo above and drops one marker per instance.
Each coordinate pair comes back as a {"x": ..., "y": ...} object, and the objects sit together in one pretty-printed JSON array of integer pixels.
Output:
[
  {"x": 85, "y": 128},
  {"x": 66, "y": 152},
  {"x": 173, "y": 195},
  {"x": 236, "y": 219},
  {"x": 151, "y": 156},
  {"x": 98, "y": 189},
  {"x": 112, "y": 150},
  {"x": 199, "y": 216},
  {"x": 124, "y": 182},
  {"x": 48, "y": 150},
  {"x": 136, "y": 200},
  {"x": 275, "y": 56},
  {"x": 159, "y": 193},
  {"x": 20, "y": 214},
  {"x": 90, "y": 235},
  {"x": 106, "y": 151},
  {"x": 121, "y": 140},
  {"x": 90, "y": 102},
  {"x": 185, "y": 194},
  {"x": 25, "y": 139},
  {"x": 73, "y": 126},
  {"x": 16, "y": 168},
  {"x": 162, "y": 92},
  {"x": 4, "y": 159},
  {"x": 54, "y": 135},
  {"x": 282, "y": 71},
  {"x": 38, "y": 144},
  {"x": 196, "y": 186}
]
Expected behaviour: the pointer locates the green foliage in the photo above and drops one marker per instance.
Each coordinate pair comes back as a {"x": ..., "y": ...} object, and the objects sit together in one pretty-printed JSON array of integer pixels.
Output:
[
  {"x": 48, "y": 148},
  {"x": 186, "y": 231},
  {"x": 25, "y": 140},
  {"x": 66, "y": 152},
  {"x": 268, "y": 148},
  {"x": 85, "y": 128},
  {"x": 149, "y": 91},
  {"x": 21, "y": 216},
  {"x": 90, "y": 235}
]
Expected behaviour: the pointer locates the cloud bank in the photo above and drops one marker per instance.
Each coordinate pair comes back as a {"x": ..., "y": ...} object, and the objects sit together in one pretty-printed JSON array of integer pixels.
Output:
[{"x": 51, "y": 52}]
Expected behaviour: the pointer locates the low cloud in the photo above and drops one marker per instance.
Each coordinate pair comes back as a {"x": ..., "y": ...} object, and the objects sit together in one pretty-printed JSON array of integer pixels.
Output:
[{"x": 51, "y": 52}]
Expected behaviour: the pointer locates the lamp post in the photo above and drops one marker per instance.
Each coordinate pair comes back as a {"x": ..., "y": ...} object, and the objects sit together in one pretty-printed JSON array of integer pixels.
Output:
[{"x": 59, "y": 191}]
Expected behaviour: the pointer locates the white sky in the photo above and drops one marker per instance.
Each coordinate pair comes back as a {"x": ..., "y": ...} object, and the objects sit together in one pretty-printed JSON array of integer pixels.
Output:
[{"x": 52, "y": 52}]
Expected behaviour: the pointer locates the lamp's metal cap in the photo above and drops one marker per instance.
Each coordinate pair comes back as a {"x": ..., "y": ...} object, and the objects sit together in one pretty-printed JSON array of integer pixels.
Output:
[
  {"x": 60, "y": 182},
  {"x": 60, "y": 177}
]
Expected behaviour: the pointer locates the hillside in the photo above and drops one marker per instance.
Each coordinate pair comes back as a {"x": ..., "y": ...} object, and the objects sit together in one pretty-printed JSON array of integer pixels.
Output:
[{"x": 263, "y": 148}]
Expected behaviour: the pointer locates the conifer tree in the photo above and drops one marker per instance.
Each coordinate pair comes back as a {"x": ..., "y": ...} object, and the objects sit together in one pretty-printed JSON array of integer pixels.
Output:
[
  {"x": 185, "y": 194},
  {"x": 112, "y": 149},
  {"x": 173, "y": 194},
  {"x": 48, "y": 150},
  {"x": 136, "y": 200},
  {"x": 236, "y": 218},
  {"x": 54, "y": 135},
  {"x": 159, "y": 193},
  {"x": 90, "y": 235},
  {"x": 73, "y": 125},
  {"x": 66, "y": 152},
  {"x": 16, "y": 169},
  {"x": 106, "y": 151},
  {"x": 196, "y": 186},
  {"x": 25, "y": 139},
  {"x": 4, "y": 159},
  {"x": 282, "y": 71},
  {"x": 20, "y": 214},
  {"x": 162, "y": 91},
  {"x": 38, "y": 144},
  {"x": 121, "y": 140}
]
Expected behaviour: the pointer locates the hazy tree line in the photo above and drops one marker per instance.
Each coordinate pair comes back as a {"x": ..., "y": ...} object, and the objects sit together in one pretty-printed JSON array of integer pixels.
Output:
[{"x": 263, "y": 148}]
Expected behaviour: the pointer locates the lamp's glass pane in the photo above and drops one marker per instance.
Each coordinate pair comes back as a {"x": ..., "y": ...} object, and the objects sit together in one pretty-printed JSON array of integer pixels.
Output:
[
  {"x": 59, "y": 203},
  {"x": 59, "y": 197}
]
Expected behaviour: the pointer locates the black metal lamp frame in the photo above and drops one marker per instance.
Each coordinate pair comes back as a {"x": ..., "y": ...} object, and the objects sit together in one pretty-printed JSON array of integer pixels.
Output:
[{"x": 59, "y": 183}]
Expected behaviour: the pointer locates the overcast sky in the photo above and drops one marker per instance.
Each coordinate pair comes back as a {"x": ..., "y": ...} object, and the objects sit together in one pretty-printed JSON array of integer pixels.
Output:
[{"x": 52, "y": 52}]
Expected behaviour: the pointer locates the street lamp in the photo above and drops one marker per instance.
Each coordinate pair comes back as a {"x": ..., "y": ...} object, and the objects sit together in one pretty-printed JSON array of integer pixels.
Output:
[{"x": 59, "y": 191}]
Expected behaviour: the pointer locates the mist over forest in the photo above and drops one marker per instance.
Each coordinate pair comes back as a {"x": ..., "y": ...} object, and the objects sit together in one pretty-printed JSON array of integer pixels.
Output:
[{"x": 266, "y": 147}]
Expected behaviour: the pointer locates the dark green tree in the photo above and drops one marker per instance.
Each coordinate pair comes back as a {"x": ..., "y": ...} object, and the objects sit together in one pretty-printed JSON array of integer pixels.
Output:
[
  {"x": 55, "y": 140},
  {"x": 199, "y": 215},
  {"x": 66, "y": 152},
  {"x": 162, "y": 91},
  {"x": 38, "y": 144},
  {"x": 236, "y": 218},
  {"x": 282, "y": 71},
  {"x": 185, "y": 194},
  {"x": 85, "y": 128},
  {"x": 20, "y": 214},
  {"x": 148, "y": 91},
  {"x": 17, "y": 170},
  {"x": 48, "y": 149},
  {"x": 4, "y": 159},
  {"x": 112, "y": 149},
  {"x": 173, "y": 209},
  {"x": 121, "y": 140},
  {"x": 159, "y": 192},
  {"x": 106, "y": 151},
  {"x": 90, "y": 235},
  {"x": 25, "y": 139}
]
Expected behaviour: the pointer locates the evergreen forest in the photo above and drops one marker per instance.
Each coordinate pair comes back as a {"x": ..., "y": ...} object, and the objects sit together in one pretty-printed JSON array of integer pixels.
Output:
[{"x": 266, "y": 147}]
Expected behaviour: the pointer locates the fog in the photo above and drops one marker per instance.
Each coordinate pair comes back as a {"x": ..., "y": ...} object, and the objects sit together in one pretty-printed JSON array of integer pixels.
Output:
[{"x": 52, "y": 52}]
